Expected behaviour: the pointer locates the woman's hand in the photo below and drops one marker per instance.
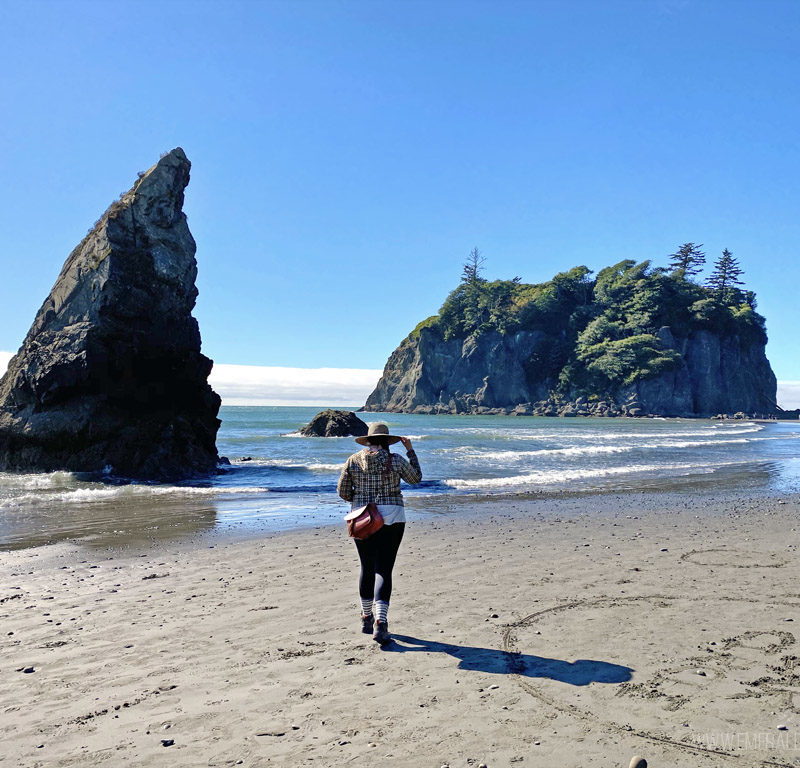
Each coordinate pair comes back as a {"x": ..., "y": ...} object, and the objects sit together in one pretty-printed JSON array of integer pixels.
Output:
[{"x": 406, "y": 443}]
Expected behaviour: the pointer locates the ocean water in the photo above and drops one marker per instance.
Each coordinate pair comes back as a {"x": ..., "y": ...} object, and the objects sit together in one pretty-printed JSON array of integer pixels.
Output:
[{"x": 279, "y": 480}]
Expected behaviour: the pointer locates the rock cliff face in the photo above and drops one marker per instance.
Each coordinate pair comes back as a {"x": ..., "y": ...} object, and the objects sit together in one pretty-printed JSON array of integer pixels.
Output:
[
  {"x": 110, "y": 376},
  {"x": 717, "y": 374},
  {"x": 457, "y": 376},
  {"x": 495, "y": 373}
]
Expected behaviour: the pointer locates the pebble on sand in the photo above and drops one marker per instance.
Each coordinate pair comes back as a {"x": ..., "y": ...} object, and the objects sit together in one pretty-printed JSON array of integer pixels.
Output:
[{"x": 637, "y": 761}]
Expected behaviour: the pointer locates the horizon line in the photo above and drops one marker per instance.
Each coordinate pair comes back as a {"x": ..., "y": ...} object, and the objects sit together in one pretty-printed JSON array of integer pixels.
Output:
[{"x": 295, "y": 386}]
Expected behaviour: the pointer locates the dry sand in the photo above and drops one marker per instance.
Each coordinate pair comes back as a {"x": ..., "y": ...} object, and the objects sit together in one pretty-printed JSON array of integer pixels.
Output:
[{"x": 570, "y": 632}]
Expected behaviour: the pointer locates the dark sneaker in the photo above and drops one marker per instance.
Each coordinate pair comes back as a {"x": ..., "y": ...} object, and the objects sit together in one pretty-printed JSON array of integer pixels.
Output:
[
  {"x": 366, "y": 624},
  {"x": 381, "y": 633}
]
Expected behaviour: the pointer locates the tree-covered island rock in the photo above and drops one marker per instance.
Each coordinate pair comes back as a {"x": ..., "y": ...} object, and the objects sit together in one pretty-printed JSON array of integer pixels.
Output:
[
  {"x": 634, "y": 340},
  {"x": 110, "y": 376}
]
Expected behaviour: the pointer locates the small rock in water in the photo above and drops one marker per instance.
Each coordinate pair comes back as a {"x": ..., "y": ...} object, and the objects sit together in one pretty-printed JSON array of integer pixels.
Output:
[
  {"x": 638, "y": 762},
  {"x": 335, "y": 423}
]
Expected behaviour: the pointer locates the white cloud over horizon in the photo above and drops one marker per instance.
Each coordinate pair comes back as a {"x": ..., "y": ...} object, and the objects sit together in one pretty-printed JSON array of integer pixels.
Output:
[
  {"x": 789, "y": 395},
  {"x": 276, "y": 385}
]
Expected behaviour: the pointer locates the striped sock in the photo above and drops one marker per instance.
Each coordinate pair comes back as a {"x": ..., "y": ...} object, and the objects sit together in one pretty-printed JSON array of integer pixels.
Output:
[
  {"x": 366, "y": 607},
  {"x": 382, "y": 609}
]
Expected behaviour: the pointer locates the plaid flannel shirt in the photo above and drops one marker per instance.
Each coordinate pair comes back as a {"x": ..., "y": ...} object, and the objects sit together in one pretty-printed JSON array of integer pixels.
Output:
[{"x": 364, "y": 477}]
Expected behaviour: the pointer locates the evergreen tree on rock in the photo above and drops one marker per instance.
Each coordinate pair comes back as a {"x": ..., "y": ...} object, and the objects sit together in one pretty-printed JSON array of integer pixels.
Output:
[
  {"x": 688, "y": 260},
  {"x": 724, "y": 280},
  {"x": 473, "y": 266}
]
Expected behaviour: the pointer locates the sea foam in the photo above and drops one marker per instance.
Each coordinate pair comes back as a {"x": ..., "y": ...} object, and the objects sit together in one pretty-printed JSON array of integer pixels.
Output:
[{"x": 549, "y": 477}]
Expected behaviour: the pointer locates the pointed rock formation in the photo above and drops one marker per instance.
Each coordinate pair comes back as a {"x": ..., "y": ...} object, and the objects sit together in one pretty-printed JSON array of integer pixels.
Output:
[{"x": 110, "y": 376}]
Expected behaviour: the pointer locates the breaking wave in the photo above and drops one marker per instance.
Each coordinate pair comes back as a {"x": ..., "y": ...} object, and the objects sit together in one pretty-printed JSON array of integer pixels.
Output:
[{"x": 553, "y": 476}]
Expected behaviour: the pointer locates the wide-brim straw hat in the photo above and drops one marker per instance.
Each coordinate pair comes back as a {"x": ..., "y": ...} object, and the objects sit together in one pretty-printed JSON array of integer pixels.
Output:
[{"x": 378, "y": 429}]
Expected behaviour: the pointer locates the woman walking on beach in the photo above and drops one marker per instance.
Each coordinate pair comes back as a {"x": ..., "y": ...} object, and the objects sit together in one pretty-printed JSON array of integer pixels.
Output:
[{"x": 373, "y": 475}]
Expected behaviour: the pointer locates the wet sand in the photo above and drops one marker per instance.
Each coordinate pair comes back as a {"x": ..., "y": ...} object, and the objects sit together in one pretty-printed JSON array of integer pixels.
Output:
[{"x": 545, "y": 632}]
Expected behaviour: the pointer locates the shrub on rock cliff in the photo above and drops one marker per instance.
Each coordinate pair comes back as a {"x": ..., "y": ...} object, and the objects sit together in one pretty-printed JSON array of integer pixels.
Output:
[
  {"x": 602, "y": 332},
  {"x": 579, "y": 335}
]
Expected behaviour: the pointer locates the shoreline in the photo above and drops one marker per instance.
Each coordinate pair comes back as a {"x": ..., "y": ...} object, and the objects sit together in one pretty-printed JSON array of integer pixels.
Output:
[
  {"x": 203, "y": 526},
  {"x": 512, "y": 411},
  {"x": 568, "y": 631},
  {"x": 290, "y": 483}
]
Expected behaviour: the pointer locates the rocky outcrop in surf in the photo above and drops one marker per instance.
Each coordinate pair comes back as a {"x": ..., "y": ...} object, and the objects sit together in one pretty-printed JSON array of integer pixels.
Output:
[
  {"x": 110, "y": 376},
  {"x": 334, "y": 423},
  {"x": 634, "y": 341}
]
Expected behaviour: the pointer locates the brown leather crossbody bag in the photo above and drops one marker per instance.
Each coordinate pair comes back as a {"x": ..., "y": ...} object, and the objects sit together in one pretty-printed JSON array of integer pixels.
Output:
[{"x": 366, "y": 520}]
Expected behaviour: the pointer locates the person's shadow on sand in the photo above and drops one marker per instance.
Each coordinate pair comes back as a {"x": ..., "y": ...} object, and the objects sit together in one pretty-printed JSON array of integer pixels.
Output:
[{"x": 580, "y": 672}]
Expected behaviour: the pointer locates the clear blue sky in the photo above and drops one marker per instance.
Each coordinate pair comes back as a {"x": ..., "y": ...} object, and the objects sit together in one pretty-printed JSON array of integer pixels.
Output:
[{"x": 348, "y": 155}]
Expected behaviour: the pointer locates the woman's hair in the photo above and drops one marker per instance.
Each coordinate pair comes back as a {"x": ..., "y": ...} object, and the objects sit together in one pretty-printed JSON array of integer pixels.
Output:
[{"x": 380, "y": 440}]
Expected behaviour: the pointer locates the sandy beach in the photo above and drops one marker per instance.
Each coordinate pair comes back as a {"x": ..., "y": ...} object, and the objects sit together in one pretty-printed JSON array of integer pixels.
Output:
[{"x": 553, "y": 632}]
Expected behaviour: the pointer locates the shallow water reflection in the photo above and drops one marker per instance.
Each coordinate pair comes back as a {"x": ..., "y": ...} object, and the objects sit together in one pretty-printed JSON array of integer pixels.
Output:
[
  {"x": 278, "y": 480},
  {"x": 107, "y": 523}
]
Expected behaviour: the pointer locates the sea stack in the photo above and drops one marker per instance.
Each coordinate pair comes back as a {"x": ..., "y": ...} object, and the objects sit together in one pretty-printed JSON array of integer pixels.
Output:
[
  {"x": 110, "y": 377},
  {"x": 635, "y": 340}
]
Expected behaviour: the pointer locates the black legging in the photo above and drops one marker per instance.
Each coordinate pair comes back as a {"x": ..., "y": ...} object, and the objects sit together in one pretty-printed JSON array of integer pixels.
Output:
[{"x": 377, "y": 555}]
